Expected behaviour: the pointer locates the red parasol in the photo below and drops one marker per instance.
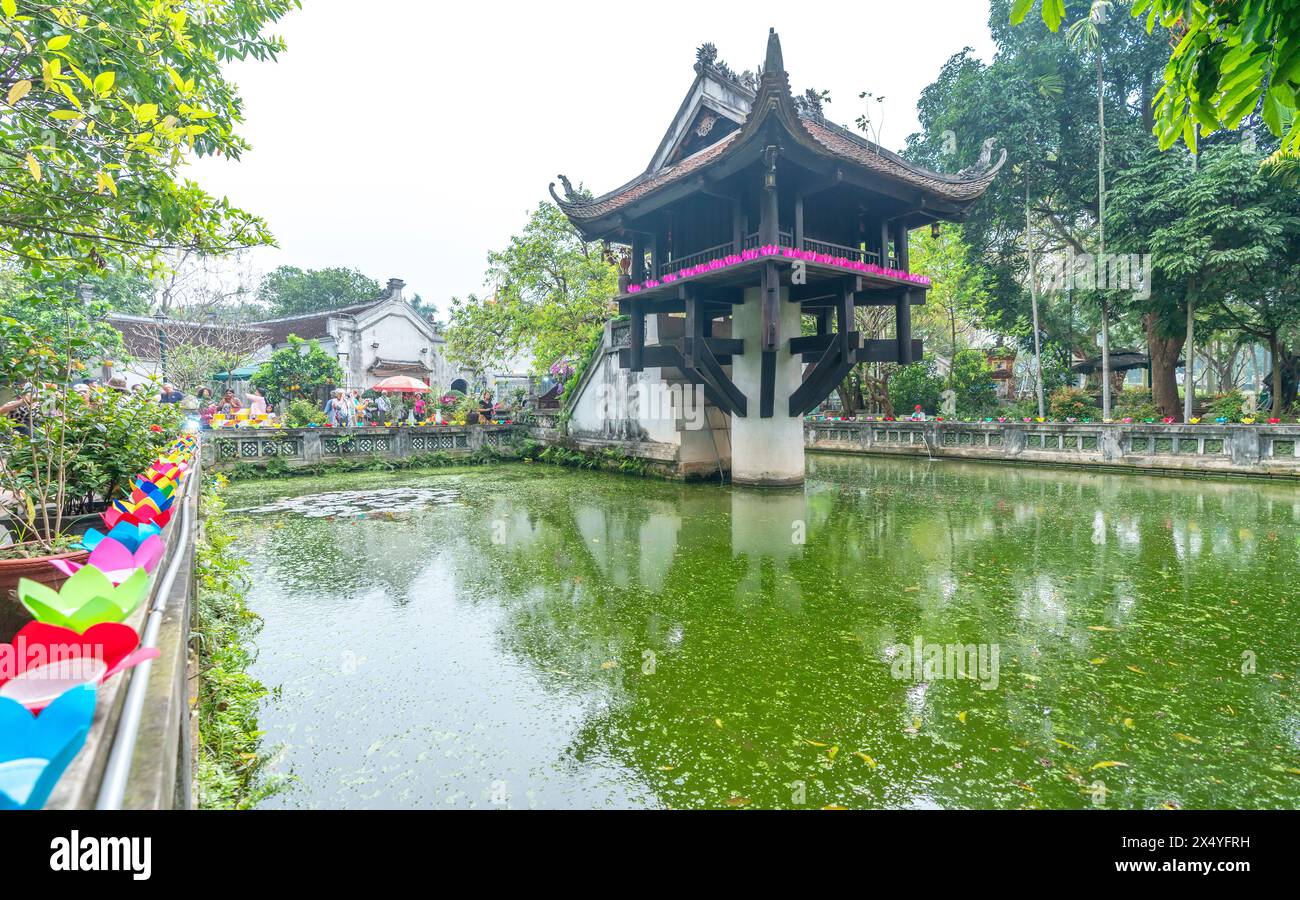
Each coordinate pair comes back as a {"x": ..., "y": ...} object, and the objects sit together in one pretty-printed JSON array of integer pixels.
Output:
[{"x": 402, "y": 384}]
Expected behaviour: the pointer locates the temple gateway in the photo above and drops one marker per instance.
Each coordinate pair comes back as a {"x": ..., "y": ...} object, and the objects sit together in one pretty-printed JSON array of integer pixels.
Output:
[{"x": 753, "y": 213}]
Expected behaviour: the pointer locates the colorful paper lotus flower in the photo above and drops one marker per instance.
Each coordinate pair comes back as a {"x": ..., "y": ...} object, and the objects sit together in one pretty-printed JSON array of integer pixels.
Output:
[
  {"x": 35, "y": 749},
  {"x": 44, "y": 660},
  {"x": 132, "y": 514},
  {"x": 128, "y": 535},
  {"x": 86, "y": 599},
  {"x": 116, "y": 560}
]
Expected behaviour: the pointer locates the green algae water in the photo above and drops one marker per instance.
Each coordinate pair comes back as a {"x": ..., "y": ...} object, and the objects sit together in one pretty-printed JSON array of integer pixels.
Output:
[{"x": 525, "y": 636}]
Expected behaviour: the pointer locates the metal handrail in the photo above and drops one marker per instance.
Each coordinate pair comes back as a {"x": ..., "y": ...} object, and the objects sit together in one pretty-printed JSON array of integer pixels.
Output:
[{"x": 112, "y": 789}]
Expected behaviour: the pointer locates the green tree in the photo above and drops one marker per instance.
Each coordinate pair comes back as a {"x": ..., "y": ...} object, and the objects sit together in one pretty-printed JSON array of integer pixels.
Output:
[
  {"x": 1229, "y": 58},
  {"x": 971, "y": 380},
  {"x": 1221, "y": 236},
  {"x": 915, "y": 385},
  {"x": 553, "y": 293},
  {"x": 299, "y": 370},
  {"x": 290, "y": 291},
  {"x": 102, "y": 103},
  {"x": 958, "y": 301}
]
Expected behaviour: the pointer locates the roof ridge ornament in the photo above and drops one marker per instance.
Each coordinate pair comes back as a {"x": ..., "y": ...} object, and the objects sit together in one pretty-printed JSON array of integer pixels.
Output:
[
  {"x": 773, "y": 64},
  {"x": 985, "y": 166}
]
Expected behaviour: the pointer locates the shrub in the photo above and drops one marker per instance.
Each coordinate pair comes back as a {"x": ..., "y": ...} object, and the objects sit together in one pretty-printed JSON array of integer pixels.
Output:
[
  {"x": 972, "y": 382},
  {"x": 1230, "y": 406},
  {"x": 1135, "y": 403},
  {"x": 917, "y": 384},
  {"x": 1073, "y": 403},
  {"x": 303, "y": 413}
]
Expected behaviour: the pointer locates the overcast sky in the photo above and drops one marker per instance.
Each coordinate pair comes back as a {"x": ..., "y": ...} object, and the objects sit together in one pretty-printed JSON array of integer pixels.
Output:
[{"x": 408, "y": 138}]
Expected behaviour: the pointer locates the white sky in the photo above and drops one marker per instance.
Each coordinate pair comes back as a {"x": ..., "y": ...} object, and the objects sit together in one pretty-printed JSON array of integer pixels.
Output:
[{"x": 407, "y": 138}]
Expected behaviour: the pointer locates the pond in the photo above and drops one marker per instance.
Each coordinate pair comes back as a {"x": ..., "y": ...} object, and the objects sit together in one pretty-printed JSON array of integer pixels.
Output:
[{"x": 525, "y": 636}]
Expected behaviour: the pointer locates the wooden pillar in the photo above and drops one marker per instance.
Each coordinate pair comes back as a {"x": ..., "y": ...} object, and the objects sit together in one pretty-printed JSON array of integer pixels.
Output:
[
  {"x": 884, "y": 244},
  {"x": 638, "y": 258},
  {"x": 798, "y": 222},
  {"x": 844, "y": 315},
  {"x": 637, "y": 336},
  {"x": 657, "y": 259},
  {"x": 900, "y": 245},
  {"x": 903, "y": 327}
]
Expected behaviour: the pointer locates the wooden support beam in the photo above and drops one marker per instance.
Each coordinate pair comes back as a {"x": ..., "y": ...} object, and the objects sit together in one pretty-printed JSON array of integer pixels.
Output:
[
  {"x": 767, "y": 385},
  {"x": 770, "y": 337},
  {"x": 826, "y": 374},
  {"x": 884, "y": 351},
  {"x": 903, "y": 328},
  {"x": 637, "y": 335}
]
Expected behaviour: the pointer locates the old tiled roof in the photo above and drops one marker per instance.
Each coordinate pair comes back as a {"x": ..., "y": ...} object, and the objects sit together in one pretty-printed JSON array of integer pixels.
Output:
[
  {"x": 819, "y": 135},
  {"x": 311, "y": 325},
  {"x": 852, "y": 148},
  {"x": 400, "y": 367},
  {"x": 140, "y": 333},
  {"x": 646, "y": 183}
]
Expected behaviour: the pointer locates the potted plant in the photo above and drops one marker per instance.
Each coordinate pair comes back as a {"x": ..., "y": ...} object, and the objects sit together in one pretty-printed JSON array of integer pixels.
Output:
[{"x": 66, "y": 450}]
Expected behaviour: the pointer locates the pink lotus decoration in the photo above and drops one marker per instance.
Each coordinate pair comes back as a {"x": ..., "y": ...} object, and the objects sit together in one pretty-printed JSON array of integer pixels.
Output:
[
  {"x": 116, "y": 560},
  {"x": 823, "y": 259}
]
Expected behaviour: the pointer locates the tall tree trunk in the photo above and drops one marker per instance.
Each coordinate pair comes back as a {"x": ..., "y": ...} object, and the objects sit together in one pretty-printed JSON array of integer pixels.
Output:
[
  {"x": 1033, "y": 302},
  {"x": 1164, "y": 359},
  {"x": 1101, "y": 234},
  {"x": 1275, "y": 346},
  {"x": 1189, "y": 355}
]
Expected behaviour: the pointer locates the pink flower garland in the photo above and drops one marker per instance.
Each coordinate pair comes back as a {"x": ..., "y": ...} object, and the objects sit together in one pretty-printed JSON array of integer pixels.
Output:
[{"x": 823, "y": 259}]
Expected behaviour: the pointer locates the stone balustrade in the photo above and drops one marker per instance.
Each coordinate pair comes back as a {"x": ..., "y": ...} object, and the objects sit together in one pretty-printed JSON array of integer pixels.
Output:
[
  {"x": 298, "y": 447},
  {"x": 1259, "y": 450}
]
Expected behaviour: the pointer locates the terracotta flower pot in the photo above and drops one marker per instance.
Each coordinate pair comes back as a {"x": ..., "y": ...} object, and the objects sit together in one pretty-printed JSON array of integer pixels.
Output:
[{"x": 13, "y": 615}]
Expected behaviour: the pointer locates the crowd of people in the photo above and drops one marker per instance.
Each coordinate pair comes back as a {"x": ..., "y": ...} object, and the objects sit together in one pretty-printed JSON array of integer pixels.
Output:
[{"x": 342, "y": 408}]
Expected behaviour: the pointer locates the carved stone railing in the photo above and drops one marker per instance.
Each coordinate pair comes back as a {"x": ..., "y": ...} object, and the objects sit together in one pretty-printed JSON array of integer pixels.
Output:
[
  {"x": 1270, "y": 450},
  {"x": 297, "y": 447}
]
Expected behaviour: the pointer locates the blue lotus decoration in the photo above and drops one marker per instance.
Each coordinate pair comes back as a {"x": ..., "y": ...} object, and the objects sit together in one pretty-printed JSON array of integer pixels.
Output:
[{"x": 34, "y": 750}]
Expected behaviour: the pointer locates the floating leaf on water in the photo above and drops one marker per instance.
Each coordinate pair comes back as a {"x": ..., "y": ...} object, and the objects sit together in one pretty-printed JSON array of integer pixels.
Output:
[
  {"x": 866, "y": 759},
  {"x": 737, "y": 801},
  {"x": 1098, "y": 660},
  {"x": 1109, "y": 764},
  {"x": 961, "y": 717},
  {"x": 1135, "y": 669},
  {"x": 1186, "y": 738},
  {"x": 1065, "y": 743}
]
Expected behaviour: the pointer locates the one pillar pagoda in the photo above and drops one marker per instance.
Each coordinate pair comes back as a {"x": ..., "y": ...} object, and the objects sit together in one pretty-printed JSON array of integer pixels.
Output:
[{"x": 753, "y": 213}]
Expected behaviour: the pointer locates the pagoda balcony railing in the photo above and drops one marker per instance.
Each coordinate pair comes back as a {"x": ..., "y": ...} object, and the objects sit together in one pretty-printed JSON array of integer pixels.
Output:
[
  {"x": 854, "y": 253},
  {"x": 786, "y": 239},
  {"x": 695, "y": 259}
]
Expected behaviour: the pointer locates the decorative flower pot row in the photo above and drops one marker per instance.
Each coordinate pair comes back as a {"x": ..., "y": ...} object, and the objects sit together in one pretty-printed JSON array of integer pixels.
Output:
[
  {"x": 824, "y": 259},
  {"x": 1029, "y": 420},
  {"x": 50, "y": 673}
]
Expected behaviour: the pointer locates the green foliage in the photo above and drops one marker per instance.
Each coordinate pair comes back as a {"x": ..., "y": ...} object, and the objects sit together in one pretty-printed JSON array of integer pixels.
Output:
[
  {"x": 232, "y": 764},
  {"x": 1228, "y": 58},
  {"x": 916, "y": 385},
  {"x": 300, "y": 370},
  {"x": 1072, "y": 403},
  {"x": 302, "y": 413},
  {"x": 554, "y": 292},
  {"x": 958, "y": 300},
  {"x": 1230, "y": 406},
  {"x": 290, "y": 291},
  {"x": 1135, "y": 404},
  {"x": 609, "y": 460},
  {"x": 104, "y": 102},
  {"x": 65, "y": 451},
  {"x": 972, "y": 382}
]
